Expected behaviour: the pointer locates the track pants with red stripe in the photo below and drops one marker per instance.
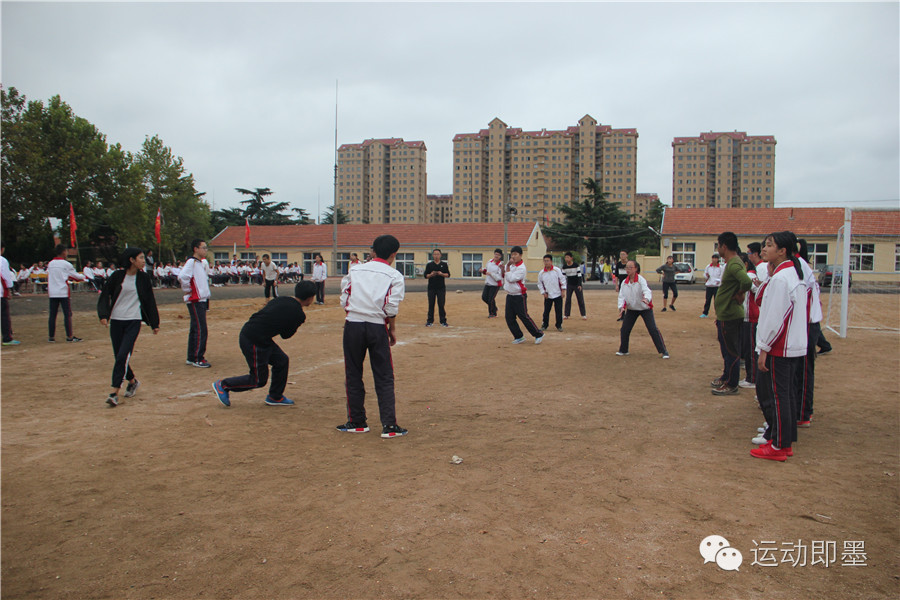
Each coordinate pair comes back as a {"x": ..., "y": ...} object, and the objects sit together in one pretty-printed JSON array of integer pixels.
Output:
[
  {"x": 517, "y": 307},
  {"x": 806, "y": 376},
  {"x": 259, "y": 357},
  {"x": 372, "y": 338},
  {"x": 196, "y": 351},
  {"x": 777, "y": 395}
]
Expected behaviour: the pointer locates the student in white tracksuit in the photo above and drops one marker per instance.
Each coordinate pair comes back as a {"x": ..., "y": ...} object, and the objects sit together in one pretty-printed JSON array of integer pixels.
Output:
[
  {"x": 493, "y": 279},
  {"x": 636, "y": 300},
  {"x": 781, "y": 342},
  {"x": 551, "y": 285},
  {"x": 194, "y": 280},
  {"x": 59, "y": 273}
]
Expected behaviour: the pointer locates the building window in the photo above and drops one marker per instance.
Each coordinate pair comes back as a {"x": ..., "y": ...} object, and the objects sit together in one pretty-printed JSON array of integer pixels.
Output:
[
  {"x": 248, "y": 256},
  {"x": 221, "y": 256},
  {"x": 343, "y": 263},
  {"x": 685, "y": 252},
  {"x": 862, "y": 257},
  {"x": 818, "y": 255},
  {"x": 405, "y": 264},
  {"x": 279, "y": 258},
  {"x": 897, "y": 257},
  {"x": 308, "y": 259},
  {"x": 471, "y": 265}
]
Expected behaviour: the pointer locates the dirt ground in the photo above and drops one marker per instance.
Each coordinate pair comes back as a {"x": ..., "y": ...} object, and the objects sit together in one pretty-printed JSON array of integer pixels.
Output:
[{"x": 584, "y": 475}]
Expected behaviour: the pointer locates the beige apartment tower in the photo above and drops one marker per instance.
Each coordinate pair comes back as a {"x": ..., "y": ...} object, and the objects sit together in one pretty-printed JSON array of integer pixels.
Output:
[
  {"x": 723, "y": 170},
  {"x": 382, "y": 181},
  {"x": 535, "y": 172}
]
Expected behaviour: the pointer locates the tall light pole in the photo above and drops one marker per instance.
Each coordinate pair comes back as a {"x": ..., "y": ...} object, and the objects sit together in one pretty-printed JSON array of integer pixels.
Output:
[{"x": 334, "y": 207}]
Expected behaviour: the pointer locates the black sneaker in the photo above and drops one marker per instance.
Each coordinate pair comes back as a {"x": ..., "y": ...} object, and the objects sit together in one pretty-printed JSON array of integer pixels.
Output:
[
  {"x": 389, "y": 431},
  {"x": 112, "y": 400},
  {"x": 132, "y": 388},
  {"x": 74, "y": 339},
  {"x": 51, "y": 339},
  {"x": 672, "y": 308},
  {"x": 351, "y": 427},
  {"x": 663, "y": 310}
]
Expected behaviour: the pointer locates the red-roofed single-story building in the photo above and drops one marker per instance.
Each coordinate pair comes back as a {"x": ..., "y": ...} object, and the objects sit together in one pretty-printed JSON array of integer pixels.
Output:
[
  {"x": 689, "y": 234},
  {"x": 466, "y": 246}
]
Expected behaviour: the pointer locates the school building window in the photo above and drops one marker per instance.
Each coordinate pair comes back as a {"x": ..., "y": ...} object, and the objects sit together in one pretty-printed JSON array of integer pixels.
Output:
[
  {"x": 685, "y": 252},
  {"x": 471, "y": 265},
  {"x": 279, "y": 258},
  {"x": 818, "y": 255},
  {"x": 862, "y": 257},
  {"x": 343, "y": 263},
  {"x": 405, "y": 263},
  {"x": 221, "y": 256},
  {"x": 245, "y": 256},
  {"x": 897, "y": 257},
  {"x": 308, "y": 259}
]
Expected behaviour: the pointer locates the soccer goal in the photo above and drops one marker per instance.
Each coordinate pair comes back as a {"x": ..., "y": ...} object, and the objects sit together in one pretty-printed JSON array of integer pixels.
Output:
[{"x": 868, "y": 250}]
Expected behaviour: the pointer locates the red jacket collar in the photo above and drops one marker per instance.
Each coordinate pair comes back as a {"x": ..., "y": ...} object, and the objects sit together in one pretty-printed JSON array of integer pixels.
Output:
[{"x": 381, "y": 260}]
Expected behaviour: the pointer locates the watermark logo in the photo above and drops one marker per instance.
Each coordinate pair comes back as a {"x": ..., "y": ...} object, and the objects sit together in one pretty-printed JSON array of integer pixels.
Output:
[{"x": 715, "y": 548}]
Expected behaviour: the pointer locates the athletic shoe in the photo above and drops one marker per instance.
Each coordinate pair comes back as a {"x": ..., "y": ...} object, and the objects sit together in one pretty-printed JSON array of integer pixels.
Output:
[
  {"x": 768, "y": 452},
  {"x": 544, "y": 327},
  {"x": 12, "y": 343},
  {"x": 539, "y": 339},
  {"x": 663, "y": 310},
  {"x": 763, "y": 428},
  {"x": 221, "y": 393},
  {"x": 280, "y": 402},
  {"x": 804, "y": 424},
  {"x": 718, "y": 382},
  {"x": 201, "y": 364},
  {"x": 74, "y": 339},
  {"x": 823, "y": 352},
  {"x": 746, "y": 384},
  {"x": 759, "y": 440},
  {"x": 621, "y": 354},
  {"x": 444, "y": 325},
  {"x": 665, "y": 355},
  {"x": 520, "y": 340},
  {"x": 704, "y": 316},
  {"x": 788, "y": 451},
  {"x": 584, "y": 318},
  {"x": 112, "y": 400},
  {"x": 429, "y": 324},
  {"x": 351, "y": 427},
  {"x": 559, "y": 329},
  {"x": 565, "y": 317},
  {"x": 389, "y": 431},
  {"x": 672, "y": 308},
  {"x": 189, "y": 363},
  {"x": 51, "y": 340},
  {"x": 725, "y": 390},
  {"x": 132, "y": 388}
]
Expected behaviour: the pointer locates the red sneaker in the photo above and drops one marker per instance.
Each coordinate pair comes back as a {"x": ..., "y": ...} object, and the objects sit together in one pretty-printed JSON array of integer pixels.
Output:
[
  {"x": 769, "y": 453},
  {"x": 788, "y": 451},
  {"x": 803, "y": 423}
]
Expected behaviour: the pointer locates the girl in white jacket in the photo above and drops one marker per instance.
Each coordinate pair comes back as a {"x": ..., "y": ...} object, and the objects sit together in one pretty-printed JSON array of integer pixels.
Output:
[{"x": 635, "y": 300}]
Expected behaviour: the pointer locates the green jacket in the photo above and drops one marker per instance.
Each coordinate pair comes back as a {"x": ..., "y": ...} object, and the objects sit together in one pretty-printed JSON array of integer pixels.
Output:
[{"x": 734, "y": 280}]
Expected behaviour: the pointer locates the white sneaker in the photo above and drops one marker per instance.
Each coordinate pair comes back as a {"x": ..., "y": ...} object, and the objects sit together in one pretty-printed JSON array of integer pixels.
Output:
[
  {"x": 538, "y": 339},
  {"x": 621, "y": 354},
  {"x": 759, "y": 440},
  {"x": 746, "y": 384},
  {"x": 519, "y": 340}
]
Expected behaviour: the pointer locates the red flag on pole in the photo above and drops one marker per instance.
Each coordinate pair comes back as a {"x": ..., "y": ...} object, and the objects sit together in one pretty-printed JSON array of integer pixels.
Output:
[
  {"x": 73, "y": 226},
  {"x": 157, "y": 229},
  {"x": 246, "y": 233}
]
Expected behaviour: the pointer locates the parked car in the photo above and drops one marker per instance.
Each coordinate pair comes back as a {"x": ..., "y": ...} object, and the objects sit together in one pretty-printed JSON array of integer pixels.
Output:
[
  {"x": 829, "y": 273},
  {"x": 684, "y": 273}
]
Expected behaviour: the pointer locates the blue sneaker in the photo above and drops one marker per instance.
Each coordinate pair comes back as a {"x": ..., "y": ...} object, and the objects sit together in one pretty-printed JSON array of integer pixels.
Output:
[
  {"x": 703, "y": 316},
  {"x": 519, "y": 340},
  {"x": 221, "y": 393},
  {"x": 17, "y": 342},
  {"x": 280, "y": 402}
]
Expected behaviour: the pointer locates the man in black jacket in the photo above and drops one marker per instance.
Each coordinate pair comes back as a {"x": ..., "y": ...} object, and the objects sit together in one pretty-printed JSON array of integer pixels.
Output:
[
  {"x": 282, "y": 316},
  {"x": 436, "y": 272}
]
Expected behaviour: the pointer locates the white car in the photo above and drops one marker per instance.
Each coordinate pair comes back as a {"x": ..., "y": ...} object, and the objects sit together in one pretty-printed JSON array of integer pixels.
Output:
[{"x": 684, "y": 273}]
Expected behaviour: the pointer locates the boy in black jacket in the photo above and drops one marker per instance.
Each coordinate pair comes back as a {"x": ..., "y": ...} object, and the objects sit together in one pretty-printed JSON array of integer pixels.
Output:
[{"x": 282, "y": 316}]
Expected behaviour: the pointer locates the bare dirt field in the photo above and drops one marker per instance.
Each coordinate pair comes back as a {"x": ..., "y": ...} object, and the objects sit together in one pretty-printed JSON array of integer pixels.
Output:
[{"x": 583, "y": 474}]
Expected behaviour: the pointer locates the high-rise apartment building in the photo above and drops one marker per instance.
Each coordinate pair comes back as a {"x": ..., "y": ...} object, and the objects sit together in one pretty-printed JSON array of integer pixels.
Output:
[
  {"x": 438, "y": 208},
  {"x": 643, "y": 203},
  {"x": 382, "y": 181},
  {"x": 534, "y": 172},
  {"x": 723, "y": 170}
]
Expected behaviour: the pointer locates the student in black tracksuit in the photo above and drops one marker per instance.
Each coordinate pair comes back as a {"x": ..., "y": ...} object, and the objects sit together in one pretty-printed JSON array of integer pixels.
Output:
[
  {"x": 574, "y": 284},
  {"x": 436, "y": 272},
  {"x": 281, "y": 316},
  {"x": 125, "y": 300}
]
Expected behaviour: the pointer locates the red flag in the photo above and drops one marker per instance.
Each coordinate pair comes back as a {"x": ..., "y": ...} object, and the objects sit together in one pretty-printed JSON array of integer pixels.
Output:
[
  {"x": 246, "y": 233},
  {"x": 157, "y": 229},
  {"x": 73, "y": 226}
]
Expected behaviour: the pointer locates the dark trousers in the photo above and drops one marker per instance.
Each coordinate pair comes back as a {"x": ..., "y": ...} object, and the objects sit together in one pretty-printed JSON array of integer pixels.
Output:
[
  {"x": 710, "y": 294},
  {"x": 360, "y": 338},
  {"x": 441, "y": 297},
  {"x": 629, "y": 319},
  {"x": 806, "y": 375},
  {"x": 729, "y": 334},
  {"x": 489, "y": 297},
  {"x": 670, "y": 285},
  {"x": 196, "y": 351},
  {"x": 579, "y": 294},
  {"x": 123, "y": 335},
  {"x": 821, "y": 342},
  {"x": 776, "y": 395},
  {"x": 270, "y": 285},
  {"x": 517, "y": 307},
  {"x": 557, "y": 304},
  {"x": 320, "y": 291},
  {"x": 748, "y": 350},
  {"x": 55, "y": 304},
  {"x": 259, "y": 357},
  {"x": 5, "y": 320}
]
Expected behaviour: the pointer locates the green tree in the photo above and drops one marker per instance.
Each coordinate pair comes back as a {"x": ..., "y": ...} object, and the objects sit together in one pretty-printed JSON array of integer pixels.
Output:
[
  {"x": 302, "y": 217},
  {"x": 328, "y": 219},
  {"x": 647, "y": 240},
  {"x": 261, "y": 211},
  {"x": 593, "y": 225},
  {"x": 226, "y": 217}
]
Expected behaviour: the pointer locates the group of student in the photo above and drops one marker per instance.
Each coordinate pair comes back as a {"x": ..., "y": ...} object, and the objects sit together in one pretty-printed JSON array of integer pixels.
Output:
[{"x": 768, "y": 312}]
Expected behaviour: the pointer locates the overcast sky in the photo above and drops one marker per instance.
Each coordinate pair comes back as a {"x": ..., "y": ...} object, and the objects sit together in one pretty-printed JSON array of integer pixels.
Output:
[{"x": 245, "y": 93}]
